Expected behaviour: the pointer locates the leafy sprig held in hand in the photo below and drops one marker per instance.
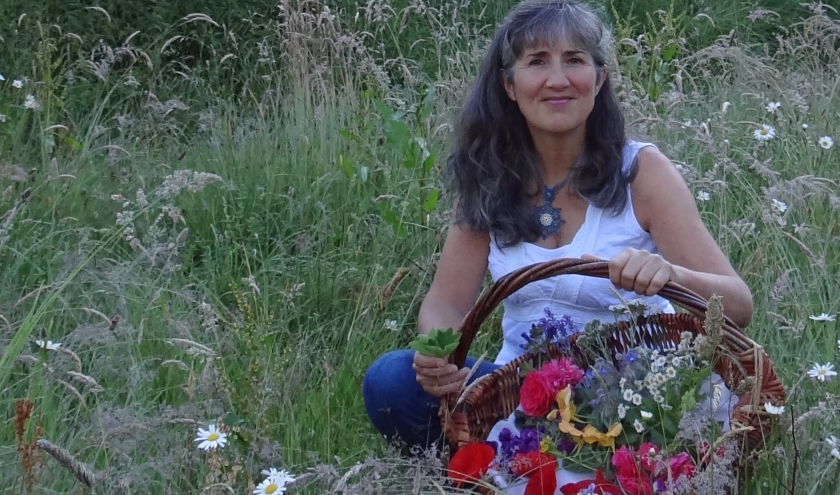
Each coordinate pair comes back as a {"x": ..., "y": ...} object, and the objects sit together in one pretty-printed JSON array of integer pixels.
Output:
[{"x": 437, "y": 343}]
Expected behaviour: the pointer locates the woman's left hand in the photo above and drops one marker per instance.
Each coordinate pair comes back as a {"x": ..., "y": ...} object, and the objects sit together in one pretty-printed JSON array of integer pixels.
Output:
[{"x": 639, "y": 271}]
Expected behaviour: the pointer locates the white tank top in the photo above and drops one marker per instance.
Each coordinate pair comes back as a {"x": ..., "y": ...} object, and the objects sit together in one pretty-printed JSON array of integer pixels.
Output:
[{"x": 583, "y": 298}]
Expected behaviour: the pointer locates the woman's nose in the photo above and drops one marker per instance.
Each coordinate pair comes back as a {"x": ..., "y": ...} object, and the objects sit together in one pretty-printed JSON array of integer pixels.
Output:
[{"x": 557, "y": 76}]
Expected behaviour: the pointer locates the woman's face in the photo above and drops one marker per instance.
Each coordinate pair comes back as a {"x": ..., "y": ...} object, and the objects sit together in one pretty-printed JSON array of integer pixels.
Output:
[{"x": 555, "y": 88}]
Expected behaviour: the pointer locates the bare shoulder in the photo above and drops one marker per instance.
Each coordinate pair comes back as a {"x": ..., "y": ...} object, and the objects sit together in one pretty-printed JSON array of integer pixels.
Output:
[{"x": 657, "y": 185}]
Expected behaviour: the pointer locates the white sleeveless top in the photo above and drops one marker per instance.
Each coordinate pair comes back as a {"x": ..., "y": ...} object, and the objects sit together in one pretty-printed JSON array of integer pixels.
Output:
[{"x": 583, "y": 298}]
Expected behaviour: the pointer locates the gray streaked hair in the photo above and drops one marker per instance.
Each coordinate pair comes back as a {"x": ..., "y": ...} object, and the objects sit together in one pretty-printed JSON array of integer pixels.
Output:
[{"x": 492, "y": 169}]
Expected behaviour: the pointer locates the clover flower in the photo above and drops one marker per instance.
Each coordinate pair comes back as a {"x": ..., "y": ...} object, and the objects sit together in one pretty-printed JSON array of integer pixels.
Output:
[
  {"x": 764, "y": 132},
  {"x": 211, "y": 438},
  {"x": 822, "y": 372},
  {"x": 826, "y": 142}
]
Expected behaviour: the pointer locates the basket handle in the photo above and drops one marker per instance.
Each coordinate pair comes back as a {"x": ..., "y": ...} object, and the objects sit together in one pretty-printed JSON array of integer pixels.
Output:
[{"x": 515, "y": 280}]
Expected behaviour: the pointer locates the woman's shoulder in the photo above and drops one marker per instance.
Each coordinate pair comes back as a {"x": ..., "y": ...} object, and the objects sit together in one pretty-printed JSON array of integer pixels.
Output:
[{"x": 656, "y": 183}]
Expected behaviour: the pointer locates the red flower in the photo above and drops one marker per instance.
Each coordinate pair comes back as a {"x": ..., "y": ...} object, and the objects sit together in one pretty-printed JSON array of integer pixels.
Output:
[
  {"x": 625, "y": 462},
  {"x": 524, "y": 464},
  {"x": 681, "y": 464},
  {"x": 536, "y": 394},
  {"x": 470, "y": 463},
  {"x": 646, "y": 453},
  {"x": 540, "y": 467},
  {"x": 602, "y": 486},
  {"x": 636, "y": 485},
  {"x": 562, "y": 372}
]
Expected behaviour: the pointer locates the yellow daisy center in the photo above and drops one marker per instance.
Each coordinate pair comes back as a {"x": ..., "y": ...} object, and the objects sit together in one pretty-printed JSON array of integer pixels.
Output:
[
  {"x": 764, "y": 132},
  {"x": 271, "y": 488},
  {"x": 212, "y": 437}
]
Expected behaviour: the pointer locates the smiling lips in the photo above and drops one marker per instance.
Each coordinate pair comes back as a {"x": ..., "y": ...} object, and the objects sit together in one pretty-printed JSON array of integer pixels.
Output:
[{"x": 559, "y": 100}]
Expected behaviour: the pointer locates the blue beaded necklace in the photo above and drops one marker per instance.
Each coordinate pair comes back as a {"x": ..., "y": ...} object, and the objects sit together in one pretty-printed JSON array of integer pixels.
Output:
[{"x": 547, "y": 215}]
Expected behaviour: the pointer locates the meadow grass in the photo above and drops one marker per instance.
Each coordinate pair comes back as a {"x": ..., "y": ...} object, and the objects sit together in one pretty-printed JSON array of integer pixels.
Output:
[{"x": 257, "y": 296}]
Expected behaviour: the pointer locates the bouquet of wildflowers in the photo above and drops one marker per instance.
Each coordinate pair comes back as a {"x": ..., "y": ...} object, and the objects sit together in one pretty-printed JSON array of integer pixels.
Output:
[{"x": 596, "y": 422}]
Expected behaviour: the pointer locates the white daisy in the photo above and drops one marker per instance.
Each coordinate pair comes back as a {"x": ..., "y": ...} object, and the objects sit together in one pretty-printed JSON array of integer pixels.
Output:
[
  {"x": 822, "y": 372},
  {"x": 661, "y": 361},
  {"x": 638, "y": 426},
  {"x": 773, "y": 106},
  {"x": 391, "y": 325},
  {"x": 622, "y": 411},
  {"x": 274, "y": 484},
  {"x": 30, "y": 103},
  {"x": 835, "y": 453},
  {"x": 823, "y": 317},
  {"x": 17, "y": 83},
  {"x": 637, "y": 399},
  {"x": 826, "y": 142},
  {"x": 647, "y": 415},
  {"x": 764, "y": 132},
  {"x": 774, "y": 410},
  {"x": 778, "y": 206},
  {"x": 2, "y": 78},
  {"x": 833, "y": 441},
  {"x": 703, "y": 196},
  {"x": 670, "y": 372},
  {"x": 676, "y": 362},
  {"x": 804, "y": 126},
  {"x": 658, "y": 398},
  {"x": 48, "y": 345},
  {"x": 282, "y": 477},
  {"x": 628, "y": 394},
  {"x": 210, "y": 438}
]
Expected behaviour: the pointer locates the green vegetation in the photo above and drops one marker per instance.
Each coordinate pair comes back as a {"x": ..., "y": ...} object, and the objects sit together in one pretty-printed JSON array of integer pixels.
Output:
[{"x": 229, "y": 216}]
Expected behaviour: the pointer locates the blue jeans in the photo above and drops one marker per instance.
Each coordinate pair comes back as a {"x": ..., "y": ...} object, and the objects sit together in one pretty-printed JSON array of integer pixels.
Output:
[{"x": 398, "y": 406}]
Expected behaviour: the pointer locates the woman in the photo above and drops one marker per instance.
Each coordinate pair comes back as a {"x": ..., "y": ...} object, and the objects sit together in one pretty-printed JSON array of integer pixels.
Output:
[{"x": 541, "y": 169}]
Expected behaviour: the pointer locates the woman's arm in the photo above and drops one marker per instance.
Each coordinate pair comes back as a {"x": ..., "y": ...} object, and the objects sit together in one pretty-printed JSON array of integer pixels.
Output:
[
  {"x": 458, "y": 278},
  {"x": 454, "y": 290},
  {"x": 690, "y": 257}
]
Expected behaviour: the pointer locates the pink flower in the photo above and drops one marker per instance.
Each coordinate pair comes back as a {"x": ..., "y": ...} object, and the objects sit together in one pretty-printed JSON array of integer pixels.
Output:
[
  {"x": 646, "y": 453},
  {"x": 625, "y": 463},
  {"x": 536, "y": 394},
  {"x": 681, "y": 464},
  {"x": 636, "y": 485},
  {"x": 562, "y": 372}
]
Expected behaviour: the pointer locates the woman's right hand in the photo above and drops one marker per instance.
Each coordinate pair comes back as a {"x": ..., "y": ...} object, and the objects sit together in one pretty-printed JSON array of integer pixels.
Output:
[{"x": 438, "y": 376}]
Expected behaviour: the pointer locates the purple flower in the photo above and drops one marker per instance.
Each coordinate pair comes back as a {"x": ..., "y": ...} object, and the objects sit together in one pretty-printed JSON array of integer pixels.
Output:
[
  {"x": 550, "y": 330},
  {"x": 528, "y": 440}
]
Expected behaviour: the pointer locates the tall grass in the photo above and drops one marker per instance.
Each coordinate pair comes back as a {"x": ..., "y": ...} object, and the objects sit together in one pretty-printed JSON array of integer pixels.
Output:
[{"x": 258, "y": 301}]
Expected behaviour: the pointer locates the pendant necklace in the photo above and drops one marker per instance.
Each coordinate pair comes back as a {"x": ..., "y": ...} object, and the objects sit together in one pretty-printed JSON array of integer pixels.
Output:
[{"x": 547, "y": 215}]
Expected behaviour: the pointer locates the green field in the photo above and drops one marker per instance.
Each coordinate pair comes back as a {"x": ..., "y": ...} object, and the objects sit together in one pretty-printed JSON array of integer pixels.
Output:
[{"x": 228, "y": 216}]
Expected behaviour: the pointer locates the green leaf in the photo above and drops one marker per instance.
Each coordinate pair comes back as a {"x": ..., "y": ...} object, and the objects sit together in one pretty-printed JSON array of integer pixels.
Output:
[
  {"x": 669, "y": 52},
  {"x": 391, "y": 218},
  {"x": 438, "y": 343},
  {"x": 232, "y": 420},
  {"x": 431, "y": 201}
]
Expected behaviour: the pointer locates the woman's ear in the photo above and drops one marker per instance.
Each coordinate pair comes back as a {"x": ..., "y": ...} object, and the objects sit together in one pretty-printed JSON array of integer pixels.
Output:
[
  {"x": 508, "y": 85},
  {"x": 602, "y": 78}
]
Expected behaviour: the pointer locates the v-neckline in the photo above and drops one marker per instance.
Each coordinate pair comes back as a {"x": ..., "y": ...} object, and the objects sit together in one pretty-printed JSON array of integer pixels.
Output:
[{"x": 586, "y": 219}]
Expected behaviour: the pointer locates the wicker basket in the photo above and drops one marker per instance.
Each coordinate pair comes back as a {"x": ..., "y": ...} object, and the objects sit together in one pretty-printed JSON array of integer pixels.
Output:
[{"x": 496, "y": 396}]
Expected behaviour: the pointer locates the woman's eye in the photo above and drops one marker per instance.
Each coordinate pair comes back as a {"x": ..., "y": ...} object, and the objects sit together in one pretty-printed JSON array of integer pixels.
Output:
[
  {"x": 536, "y": 62},
  {"x": 575, "y": 61}
]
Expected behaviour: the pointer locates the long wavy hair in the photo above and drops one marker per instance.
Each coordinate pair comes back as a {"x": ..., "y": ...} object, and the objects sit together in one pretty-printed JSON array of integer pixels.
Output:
[{"x": 492, "y": 169}]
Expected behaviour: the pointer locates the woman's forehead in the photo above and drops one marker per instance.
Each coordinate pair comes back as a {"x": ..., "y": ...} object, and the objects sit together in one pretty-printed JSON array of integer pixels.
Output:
[{"x": 555, "y": 44}]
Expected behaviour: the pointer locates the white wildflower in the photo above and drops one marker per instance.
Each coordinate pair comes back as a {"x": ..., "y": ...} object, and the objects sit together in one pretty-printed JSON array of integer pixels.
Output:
[
  {"x": 822, "y": 372},
  {"x": 646, "y": 415},
  {"x": 773, "y": 106},
  {"x": 823, "y": 317},
  {"x": 703, "y": 196},
  {"x": 638, "y": 426},
  {"x": 2, "y": 78},
  {"x": 764, "y": 132},
  {"x": 833, "y": 441},
  {"x": 670, "y": 372},
  {"x": 2, "y": 117},
  {"x": 275, "y": 481},
  {"x": 628, "y": 394},
  {"x": 17, "y": 83},
  {"x": 774, "y": 410},
  {"x": 210, "y": 438},
  {"x": 778, "y": 206},
  {"x": 30, "y": 103},
  {"x": 826, "y": 142},
  {"x": 725, "y": 107},
  {"x": 391, "y": 325},
  {"x": 622, "y": 411},
  {"x": 48, "y": 345},
  {"x": 637, "y": 399},
  {"x": 804, "y": 126}
]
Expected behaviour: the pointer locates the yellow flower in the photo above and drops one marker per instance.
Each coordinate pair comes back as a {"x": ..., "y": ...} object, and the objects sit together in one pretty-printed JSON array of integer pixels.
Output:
[
  {"x": 566, "y": 406},
  {"x": 545, "y": 444}
]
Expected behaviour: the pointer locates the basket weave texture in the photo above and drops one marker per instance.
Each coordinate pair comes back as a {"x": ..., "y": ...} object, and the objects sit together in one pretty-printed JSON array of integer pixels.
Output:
[{"x": 495, "y": 396}]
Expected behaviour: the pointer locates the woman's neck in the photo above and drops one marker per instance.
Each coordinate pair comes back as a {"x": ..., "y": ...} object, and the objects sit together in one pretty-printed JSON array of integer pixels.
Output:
[{"x": 557, "y": 154}]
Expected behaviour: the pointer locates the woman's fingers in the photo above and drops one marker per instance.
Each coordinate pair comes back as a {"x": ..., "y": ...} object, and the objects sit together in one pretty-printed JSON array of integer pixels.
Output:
[
  {"x": 443, "y": 385},
  {"x": 640, "y": 271}
]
